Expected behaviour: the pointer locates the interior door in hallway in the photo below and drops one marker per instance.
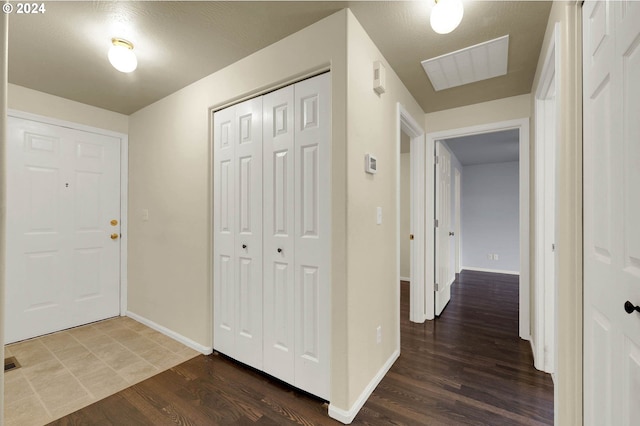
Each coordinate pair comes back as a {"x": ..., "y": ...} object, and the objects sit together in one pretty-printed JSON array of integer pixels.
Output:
[
  {"x": 63, "y": 238},
  {"x": 611, "y": 67},
  {"x": 443, "y": 227}
]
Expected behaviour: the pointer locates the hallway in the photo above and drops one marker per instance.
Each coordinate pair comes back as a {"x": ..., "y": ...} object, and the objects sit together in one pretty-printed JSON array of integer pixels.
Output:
[{"x": 467, "y": 367}]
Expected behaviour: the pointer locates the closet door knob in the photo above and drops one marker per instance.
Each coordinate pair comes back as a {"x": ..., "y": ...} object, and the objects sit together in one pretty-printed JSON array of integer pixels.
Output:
[
  {"x": 244, "y": 246},
  {"x": 279, "y": 250},
  {"x": 629, "y": 308}
]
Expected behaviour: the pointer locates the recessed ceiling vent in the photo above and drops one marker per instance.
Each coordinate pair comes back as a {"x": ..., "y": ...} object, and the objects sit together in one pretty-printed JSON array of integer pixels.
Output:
[{"x": 468, "y": 65}]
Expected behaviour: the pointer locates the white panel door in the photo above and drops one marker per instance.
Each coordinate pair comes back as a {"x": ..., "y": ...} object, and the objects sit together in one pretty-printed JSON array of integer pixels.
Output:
[
  {"x": 63, "y": 191},
  {"x": 312, "y": 176},
  {"x": 248, "y": 242},
  {"x": 224, "y": 218},
  {"x": 278, "y": 229},
  {"x": 443, "y": 229},
  {"x": 611, "y": 45}
]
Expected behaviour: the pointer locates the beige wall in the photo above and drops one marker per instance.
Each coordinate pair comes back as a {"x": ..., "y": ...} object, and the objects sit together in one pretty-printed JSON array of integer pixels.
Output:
[
  {"x": 4, "y": 38},
  {"x": 34, "y": 102},
  {"x": 169, "y": 155},
  {"x": 372, "y": 249},
  {"x": 405, "y": 214},
  {"x": 483, "y": 113},
  {"x": 568, "y": 381}
]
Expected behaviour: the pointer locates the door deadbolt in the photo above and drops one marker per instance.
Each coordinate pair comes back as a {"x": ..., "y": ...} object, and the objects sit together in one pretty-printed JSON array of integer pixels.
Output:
[{"x": 113, "y": 222}]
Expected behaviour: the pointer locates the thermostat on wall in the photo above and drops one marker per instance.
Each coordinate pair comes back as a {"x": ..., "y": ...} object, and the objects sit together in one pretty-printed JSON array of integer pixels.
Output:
[{"x": 370, "y": 164}]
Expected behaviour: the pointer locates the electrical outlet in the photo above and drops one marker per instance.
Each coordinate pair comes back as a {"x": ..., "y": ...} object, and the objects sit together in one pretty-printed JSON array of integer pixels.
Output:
[
  {"x": 145, "y": 214},
  {"x": 379, "y": 334},
  {"x": 496, "y": 257},
  {"x": 490, "y": 256}
]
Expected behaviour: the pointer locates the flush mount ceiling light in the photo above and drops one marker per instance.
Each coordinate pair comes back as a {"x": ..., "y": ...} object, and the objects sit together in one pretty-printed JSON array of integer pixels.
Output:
[
  {"x": 121, "y": 55},
  {"x": 446, "y": 15}
]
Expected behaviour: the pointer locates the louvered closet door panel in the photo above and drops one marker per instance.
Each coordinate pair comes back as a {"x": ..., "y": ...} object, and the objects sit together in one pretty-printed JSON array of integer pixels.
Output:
[
  {"x": 248, "y": 241},
  {"x": 224, "y": 217},
  {"x": 312, "y": 234},
  {"x": 278, "y": 183}
]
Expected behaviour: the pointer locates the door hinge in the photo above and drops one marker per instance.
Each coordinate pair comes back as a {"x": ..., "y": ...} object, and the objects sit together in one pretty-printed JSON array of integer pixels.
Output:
[
  {"x": 437, "y": 160},
  {"x": 437, "y": 287},
  {"x": 411, "y": 236},
  {"x": 436, "y": 223},
  {"x": 553, "y": 247}
]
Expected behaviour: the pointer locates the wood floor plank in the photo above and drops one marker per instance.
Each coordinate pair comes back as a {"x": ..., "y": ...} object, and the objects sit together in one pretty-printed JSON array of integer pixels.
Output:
[{"x": 469, "y": 367}]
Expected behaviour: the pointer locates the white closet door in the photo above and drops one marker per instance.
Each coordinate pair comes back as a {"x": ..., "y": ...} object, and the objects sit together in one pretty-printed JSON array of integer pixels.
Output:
[
  {"x": 224, "y": 232},
  {"x": 63, "y": 190},
  {"x": 248, "y": 242},
  {"x": 278, "y": 151},
  {"x": 312, "y": 234}
]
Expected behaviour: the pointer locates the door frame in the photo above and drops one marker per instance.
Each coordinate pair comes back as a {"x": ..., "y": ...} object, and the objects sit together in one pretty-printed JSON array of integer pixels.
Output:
[
  {"x": 543, "y": 343},
  {"x": 409, "y": 125},
  {"x": 457, "y": 202},
  {"x": 522, "y": 124},
  {"x": 124, "y": 184}
]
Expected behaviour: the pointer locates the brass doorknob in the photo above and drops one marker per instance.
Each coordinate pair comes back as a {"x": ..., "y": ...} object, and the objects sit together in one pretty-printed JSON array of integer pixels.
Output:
[{"x": 114, "y": 236}]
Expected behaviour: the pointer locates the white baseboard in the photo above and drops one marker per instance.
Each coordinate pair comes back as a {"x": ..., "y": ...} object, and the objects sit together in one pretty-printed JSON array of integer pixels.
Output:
[
  {"x": 347, "y": 416},
  {"x": 405, "y": 279},
  {"x": 495, "y": 271},
  {"x": 536, "y": 362},
  {"x": 170, "y": 333}
]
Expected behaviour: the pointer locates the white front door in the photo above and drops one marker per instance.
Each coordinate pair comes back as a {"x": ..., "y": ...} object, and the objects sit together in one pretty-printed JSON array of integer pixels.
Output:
[
  {"x": 63, "y": 233},
  {"x": 611, "y": 47},
  {"x": 443, "y": 228}
]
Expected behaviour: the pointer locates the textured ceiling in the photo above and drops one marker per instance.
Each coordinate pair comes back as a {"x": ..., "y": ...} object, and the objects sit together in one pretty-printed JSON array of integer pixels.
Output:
[
  {"x": 63, "y": 51},
  {"x": 496, "y": 147}
]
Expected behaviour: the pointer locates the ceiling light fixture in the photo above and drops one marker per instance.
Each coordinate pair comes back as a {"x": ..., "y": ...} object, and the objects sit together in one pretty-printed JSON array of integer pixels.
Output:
[
  {"x": 446, "y": 15},
  {"x": 121, "y": 55}
]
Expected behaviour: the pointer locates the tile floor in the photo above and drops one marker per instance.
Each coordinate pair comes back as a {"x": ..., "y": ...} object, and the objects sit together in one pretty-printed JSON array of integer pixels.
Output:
[{"x": 65, "y": 371}]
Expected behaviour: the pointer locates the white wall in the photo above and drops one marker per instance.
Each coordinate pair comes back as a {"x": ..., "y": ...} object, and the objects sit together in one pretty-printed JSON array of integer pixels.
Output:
[
  {"x": 28, "y": 100},
  {"x": 372, "y": 249},
  {"x": 568, "y": 380},
  {"x": 405, "y": 214},
  {"x": 170, "y": 276},
  {"x": 490, "y": 216},
  {"x": 483, "y": 113}
]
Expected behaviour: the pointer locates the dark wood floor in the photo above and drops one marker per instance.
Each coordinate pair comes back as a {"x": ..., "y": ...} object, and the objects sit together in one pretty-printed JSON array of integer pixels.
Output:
[{"x": 467, "y": 367}]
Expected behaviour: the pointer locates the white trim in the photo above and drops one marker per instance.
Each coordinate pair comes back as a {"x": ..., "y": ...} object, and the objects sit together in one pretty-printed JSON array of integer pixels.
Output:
[
  {"x": 405, "y": 279},
  {"x": 124, "y": 185},
  {"x": 544, "y": 288},
  {"x": 124, "y": 222},
  {"x": 206, "y": 350},
  {"x": 347, "y": 416},
  {"x": 522, "y": 125},
  {"x": 493, "y": 271},
  {"x": 406, "y": 123}
]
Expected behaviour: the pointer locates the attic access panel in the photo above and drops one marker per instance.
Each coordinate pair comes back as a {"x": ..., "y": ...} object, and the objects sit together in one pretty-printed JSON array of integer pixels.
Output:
[{"x": 475, "y": 63}]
